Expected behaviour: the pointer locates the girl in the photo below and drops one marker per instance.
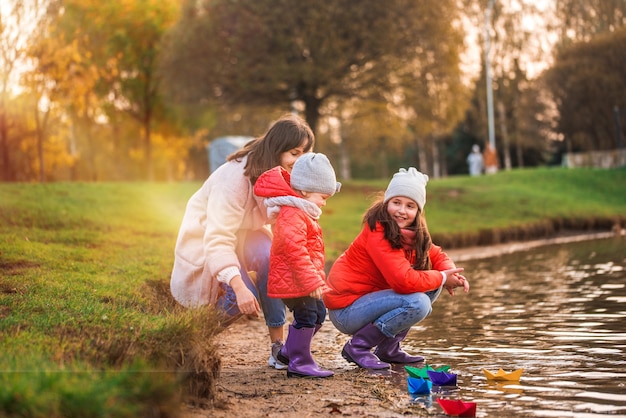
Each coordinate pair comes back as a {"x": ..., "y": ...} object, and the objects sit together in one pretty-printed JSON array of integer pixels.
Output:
[
  {"x": 224, "y": 232},
  {"x": 388, "y": 278},
  {"x": 297, "y": 259}
]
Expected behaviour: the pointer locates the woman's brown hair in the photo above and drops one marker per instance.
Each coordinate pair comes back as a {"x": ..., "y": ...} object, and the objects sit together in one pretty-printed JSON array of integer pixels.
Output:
[{"x": 286, "y": 133}]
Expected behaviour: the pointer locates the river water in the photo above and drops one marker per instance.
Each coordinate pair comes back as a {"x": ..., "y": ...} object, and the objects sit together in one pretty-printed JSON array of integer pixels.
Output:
[{"x": 558, "y": 312}]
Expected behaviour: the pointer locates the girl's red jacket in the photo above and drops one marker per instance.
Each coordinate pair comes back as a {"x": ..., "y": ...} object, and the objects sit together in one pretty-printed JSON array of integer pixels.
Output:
[{"x": 370, "y": 265}]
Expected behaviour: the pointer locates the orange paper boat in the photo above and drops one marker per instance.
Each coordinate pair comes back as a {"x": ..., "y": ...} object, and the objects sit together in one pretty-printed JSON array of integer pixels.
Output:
[
  {"x": 502, "y": 376},
  {"x": 458, "y": 408}
]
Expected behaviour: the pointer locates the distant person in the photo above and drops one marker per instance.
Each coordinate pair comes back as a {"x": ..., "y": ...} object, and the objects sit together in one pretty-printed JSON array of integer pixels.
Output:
[
  {"x": 225, "y": 233},
  {"x": 475, "y": 161},
  {"x": 389, "y": 277},
  {"x": 297, "y": 258},
  {"x": 490, "y": 158}
]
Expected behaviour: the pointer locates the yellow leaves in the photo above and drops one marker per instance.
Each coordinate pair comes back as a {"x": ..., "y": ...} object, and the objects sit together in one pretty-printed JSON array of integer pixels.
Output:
[
  {"x": 56, "y": 153},
  {"x": 110, "y": 70},
  {"x": 76, "y": 57},
  {"x": 170, "y": 147},
  {"x": 167, "y": 151},
  {"x": 88, "y": 57},
  {"x": 63, "y": 74},
  {"x": 136, "y": 154}
]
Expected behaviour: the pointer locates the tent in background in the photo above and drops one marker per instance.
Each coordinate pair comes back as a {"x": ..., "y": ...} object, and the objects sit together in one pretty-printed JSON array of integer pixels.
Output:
[{"x": 220, "y": 148}]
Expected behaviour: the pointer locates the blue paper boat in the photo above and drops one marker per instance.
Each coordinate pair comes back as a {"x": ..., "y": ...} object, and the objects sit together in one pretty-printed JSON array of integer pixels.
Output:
[
  {"x": 418, "y": 385},
  {"x": 442, "y": 378}
]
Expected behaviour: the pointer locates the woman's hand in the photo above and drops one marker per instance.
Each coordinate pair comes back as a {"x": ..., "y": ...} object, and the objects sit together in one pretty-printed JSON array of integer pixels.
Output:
[
  {"x": 454, "y": 279},
  {"x": 246, "y": 301}
]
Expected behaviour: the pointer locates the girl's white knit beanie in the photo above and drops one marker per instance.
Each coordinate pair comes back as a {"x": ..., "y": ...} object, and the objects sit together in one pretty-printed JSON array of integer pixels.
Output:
[{"x": 408, "y": 183}]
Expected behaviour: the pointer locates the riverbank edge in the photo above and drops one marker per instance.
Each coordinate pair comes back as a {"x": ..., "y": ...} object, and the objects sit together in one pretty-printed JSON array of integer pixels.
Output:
[{"x": 488, "y": 251}]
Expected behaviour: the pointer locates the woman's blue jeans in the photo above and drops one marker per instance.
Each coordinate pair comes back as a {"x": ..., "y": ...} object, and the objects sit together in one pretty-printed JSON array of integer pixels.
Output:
[
  {"x": 256, "y": 258},
  {"x": 391, "y": 312}
]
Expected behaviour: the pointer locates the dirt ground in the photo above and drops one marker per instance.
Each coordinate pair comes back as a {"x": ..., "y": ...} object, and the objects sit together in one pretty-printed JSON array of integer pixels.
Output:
[{"x": 247, "y": 387}]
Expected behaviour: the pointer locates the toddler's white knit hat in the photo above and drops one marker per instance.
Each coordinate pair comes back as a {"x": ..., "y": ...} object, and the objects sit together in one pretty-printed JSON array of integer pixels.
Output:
[
  {"x": 312, "y": 172},
  {"x": 408, "y": 183}
]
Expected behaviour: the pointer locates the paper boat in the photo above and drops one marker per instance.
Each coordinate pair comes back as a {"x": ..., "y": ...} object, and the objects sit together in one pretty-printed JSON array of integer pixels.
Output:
[
  {"x": 418, "y": 385},
  {"x": 423, "y": 371},
  {"x": 458, "y": 408},
  {"x": 442, "y": 378},
  {"x": 502, "y": 376}
]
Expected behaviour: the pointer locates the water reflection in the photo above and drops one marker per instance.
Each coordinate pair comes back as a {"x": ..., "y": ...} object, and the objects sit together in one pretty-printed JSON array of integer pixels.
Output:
[{"x": 559, "y": 312}]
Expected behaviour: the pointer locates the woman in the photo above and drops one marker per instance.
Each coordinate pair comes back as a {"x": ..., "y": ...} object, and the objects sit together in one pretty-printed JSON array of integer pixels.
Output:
[
  {"x": 225, "y": 234},
  {"x": 388, "y": 278}
]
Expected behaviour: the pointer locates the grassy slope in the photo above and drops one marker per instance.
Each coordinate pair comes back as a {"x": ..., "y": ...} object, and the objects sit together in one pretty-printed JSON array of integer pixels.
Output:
[
  {"x": 84, "y": 271},
  {"x": 84, "y": 290}
]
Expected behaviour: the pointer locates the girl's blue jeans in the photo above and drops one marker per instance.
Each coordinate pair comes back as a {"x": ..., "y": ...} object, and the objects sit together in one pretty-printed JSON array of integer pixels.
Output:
[
  {"x": 391, "y": 312},
  {"x": 256, "y": 258}
]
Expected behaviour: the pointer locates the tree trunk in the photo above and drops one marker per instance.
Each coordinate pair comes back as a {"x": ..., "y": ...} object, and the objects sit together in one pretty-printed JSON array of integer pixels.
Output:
[
  {"x": 421, "y": 155},
  {"x": 344, "y": 157},
  {"x": 7, "y": 173},
  {"x": 520, "y": 151},
  {"x": 72, "y": 148},
  {"x": 42, "y": 171},
  {"x": 443, "y": 159},
  {"x": 436, "y": 164},
  {"x": 40, "y": 130},
  {"x": 506, "y": 151},
  {"x": 312, "y": 112},
  {"x": 148, "y": 149},
  {"x": 384, "y": 163}
]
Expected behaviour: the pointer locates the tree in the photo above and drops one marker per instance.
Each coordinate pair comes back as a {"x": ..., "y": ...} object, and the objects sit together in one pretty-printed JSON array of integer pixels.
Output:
[
  {"x": 578, "y": 21},
  {"x": 434, "y": 95},
  {"x": 532, "y": 120},
  {"x": 587, "y": 82},
  {"x": 15, "y": 28},
  {"x": 113, "y": 66},
  {"x": 369, "y": 130},
  {"x": 135, "y": 44},
  {"x": 517, "y": 40},
  {"x": 278, "y": 52}
]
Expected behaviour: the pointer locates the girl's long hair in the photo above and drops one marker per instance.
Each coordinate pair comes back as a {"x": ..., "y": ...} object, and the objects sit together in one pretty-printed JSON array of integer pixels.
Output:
[
  {"x": 378, "y": 213},
  {"x": 286, "y": 133}
]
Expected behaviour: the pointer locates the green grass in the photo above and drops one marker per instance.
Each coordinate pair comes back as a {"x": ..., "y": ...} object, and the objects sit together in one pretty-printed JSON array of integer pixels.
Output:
[
  {"x": 86, "y": 318},
  {"x": 85, "y": 304}
]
